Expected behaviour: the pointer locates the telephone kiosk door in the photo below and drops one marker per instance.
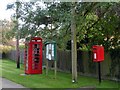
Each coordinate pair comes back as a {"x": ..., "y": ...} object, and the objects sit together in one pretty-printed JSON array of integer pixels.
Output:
[{"x": 36, "y": 57}]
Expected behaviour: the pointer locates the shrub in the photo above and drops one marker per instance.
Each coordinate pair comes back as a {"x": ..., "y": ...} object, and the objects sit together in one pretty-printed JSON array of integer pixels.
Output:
[{"x": 5, "y": 48}]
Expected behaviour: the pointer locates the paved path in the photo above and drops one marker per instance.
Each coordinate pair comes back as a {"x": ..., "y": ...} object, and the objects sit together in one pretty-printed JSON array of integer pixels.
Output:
[{"x": 9, "y": 84}]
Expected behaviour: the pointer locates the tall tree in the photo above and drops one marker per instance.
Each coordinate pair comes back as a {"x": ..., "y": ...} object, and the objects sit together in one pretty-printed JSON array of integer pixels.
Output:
[
  {"x": 18, "y": 4},
  {"x": 18, "y": 33},
  {"x": 73, "y": 43}
]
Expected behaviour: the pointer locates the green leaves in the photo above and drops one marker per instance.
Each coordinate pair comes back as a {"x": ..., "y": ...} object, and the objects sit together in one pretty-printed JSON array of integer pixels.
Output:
[{"x": 97, "y": 22}]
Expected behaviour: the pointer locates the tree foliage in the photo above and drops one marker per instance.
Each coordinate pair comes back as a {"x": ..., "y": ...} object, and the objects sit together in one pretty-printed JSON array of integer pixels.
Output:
[
  {"x": 97, "y": 23},
  {"x": 6, "y": 31}
]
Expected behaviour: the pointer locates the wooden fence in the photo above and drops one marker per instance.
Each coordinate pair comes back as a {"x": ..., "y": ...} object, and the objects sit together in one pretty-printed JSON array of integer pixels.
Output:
[{"x": 85, "y": 64}]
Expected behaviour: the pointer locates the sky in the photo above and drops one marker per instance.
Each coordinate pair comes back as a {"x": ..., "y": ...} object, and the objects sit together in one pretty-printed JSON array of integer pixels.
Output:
[{"x": 5, "y": 14}]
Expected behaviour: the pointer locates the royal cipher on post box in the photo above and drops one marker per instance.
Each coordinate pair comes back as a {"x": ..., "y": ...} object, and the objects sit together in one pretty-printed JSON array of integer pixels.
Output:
[
  {"x": 33, "y": 56},
  {"x": 98, "y": 53}
]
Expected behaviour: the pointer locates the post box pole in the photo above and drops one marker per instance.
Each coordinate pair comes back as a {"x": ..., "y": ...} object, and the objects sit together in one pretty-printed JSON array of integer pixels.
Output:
[{"x": 99, "y": 72}]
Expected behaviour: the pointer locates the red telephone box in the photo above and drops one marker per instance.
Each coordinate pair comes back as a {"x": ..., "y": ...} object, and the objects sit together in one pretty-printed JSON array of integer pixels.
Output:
[
  {"x": 98, "y": 53},
  {"x": 33, "y": 56}
]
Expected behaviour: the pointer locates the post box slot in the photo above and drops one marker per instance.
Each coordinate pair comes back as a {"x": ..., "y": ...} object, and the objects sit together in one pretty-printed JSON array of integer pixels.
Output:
[{"x": 94, "y": 48}]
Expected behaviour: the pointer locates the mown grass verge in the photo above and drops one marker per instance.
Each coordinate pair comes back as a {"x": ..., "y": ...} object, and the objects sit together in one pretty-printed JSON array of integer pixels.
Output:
[{"x": 63, "y": 80}]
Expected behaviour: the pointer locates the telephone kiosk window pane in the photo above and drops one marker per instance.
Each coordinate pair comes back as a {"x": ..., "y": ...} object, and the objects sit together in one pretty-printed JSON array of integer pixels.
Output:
[
  {"x": 35, "y": 56},
  {"x": 26, "y": 57},
  {"x": 37, "y": 46}
]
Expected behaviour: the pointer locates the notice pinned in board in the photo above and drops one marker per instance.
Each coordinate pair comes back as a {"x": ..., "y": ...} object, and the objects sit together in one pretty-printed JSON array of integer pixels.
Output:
[{"x": 50, "y": 51}]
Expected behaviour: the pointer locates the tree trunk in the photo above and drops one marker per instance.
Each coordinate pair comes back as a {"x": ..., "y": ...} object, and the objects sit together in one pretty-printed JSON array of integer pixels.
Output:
[
  {"x": 17, "y": 34},
  {"x": 73, "y": 43}
]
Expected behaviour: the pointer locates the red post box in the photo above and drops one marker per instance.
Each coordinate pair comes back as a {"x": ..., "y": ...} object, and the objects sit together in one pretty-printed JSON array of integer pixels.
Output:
[
  {"x": 33, "y": 56},
  {"x": 98, "y": 53}
]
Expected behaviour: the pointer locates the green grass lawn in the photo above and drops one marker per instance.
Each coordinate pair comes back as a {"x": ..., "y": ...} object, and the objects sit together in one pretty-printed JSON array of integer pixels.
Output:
[{"x": 63, "y": 80}]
